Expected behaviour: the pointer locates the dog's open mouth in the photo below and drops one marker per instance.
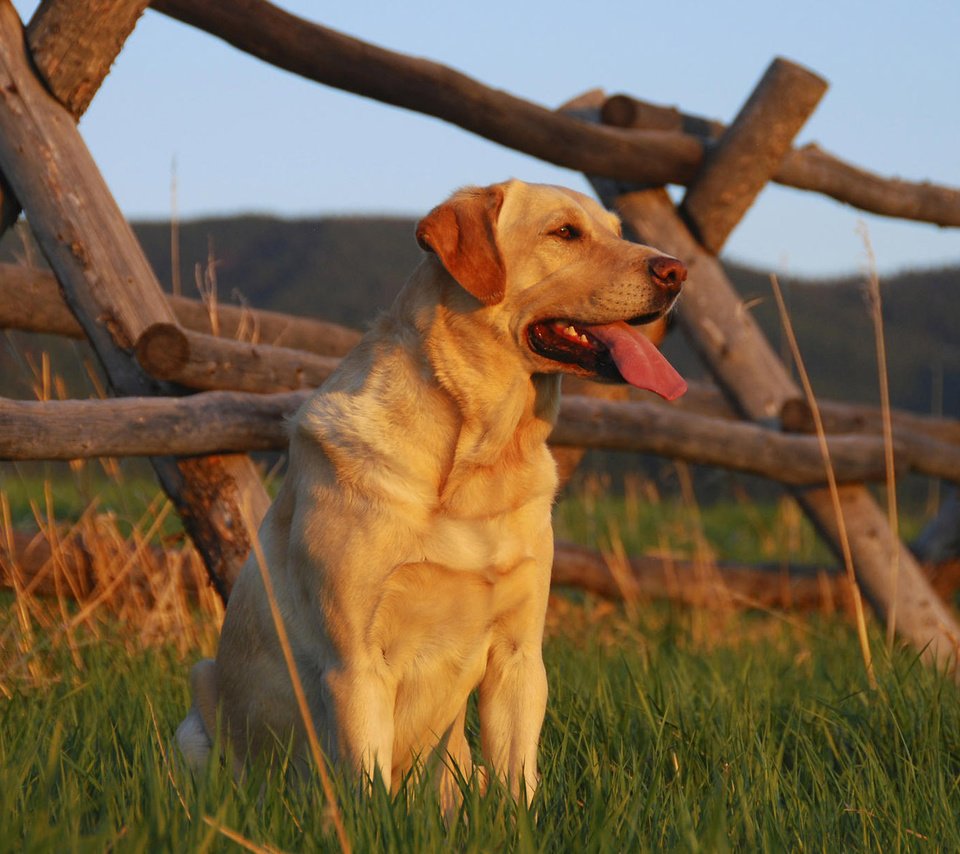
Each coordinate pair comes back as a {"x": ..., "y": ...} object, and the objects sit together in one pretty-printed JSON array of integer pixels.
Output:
[{"x": 614, "y": 351}]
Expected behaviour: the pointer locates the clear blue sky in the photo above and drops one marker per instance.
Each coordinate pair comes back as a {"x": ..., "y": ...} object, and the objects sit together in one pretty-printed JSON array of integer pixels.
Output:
[{"x": 247, "y": 137}]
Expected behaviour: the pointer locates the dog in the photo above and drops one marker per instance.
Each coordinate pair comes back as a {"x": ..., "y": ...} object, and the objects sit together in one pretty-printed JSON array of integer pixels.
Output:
[{"x": 410, "y": 546}]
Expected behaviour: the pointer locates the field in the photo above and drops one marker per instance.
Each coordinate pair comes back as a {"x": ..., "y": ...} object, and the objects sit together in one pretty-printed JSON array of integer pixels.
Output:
[{"x": 667, "y": 728}]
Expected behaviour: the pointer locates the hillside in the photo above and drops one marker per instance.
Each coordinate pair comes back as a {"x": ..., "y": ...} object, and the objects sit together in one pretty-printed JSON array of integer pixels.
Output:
[{"x": 346, "y": 269}]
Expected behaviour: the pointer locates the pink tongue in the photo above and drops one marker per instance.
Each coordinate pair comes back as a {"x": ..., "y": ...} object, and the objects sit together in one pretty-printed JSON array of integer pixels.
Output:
[{"x": 638, "y": 360}]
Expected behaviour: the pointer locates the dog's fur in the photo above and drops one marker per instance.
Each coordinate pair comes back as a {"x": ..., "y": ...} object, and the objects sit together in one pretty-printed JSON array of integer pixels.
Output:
[{"x": 410, "y": 545}]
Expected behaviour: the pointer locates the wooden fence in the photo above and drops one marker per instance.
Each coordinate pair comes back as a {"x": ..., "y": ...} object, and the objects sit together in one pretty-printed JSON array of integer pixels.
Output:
[{"x": 194, "y": 402}]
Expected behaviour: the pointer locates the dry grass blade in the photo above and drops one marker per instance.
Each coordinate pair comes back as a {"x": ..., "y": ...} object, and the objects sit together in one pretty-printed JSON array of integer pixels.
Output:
[
  {"x": 164, "y": 757},
  {"x": 312, "y": 739},
  {"x": 242, "y": 841},
  {"x": 876, "y": 314},
  {"x": 831, "y": 481}
]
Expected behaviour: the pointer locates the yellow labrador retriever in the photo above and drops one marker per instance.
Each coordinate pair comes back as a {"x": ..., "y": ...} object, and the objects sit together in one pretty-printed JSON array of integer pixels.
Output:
[{"x": 410, "y": 545}]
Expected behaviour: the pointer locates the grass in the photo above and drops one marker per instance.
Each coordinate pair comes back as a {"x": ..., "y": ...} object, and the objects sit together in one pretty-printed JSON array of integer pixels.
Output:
[
  {"x": 768, "y": 742},
  {"x": 667, "y": 728}
]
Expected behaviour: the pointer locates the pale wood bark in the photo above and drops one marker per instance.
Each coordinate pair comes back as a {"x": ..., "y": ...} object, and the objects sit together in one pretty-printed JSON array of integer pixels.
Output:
[
  {"x": 201, "y": 424},
  {"x": 646, "y": 157},
  {"x": 72, "y": 57},
  {"x": 569, "y": 457},
  {"x": 30, "y": 300},
  {"x": 74, "y": 44},
  {"x": 740, "y": 164},
  {"x": 919, "y": 435},
  {"x": 110, "y": 287},
  {"x": 168, "y": 352},
  {"x": 748, "y": 369}
]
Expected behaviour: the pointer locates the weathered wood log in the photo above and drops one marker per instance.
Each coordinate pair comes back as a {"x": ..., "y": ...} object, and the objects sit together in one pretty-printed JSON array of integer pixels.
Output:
[
  {"x": 201, "y": 424},
  {"x": 68, "y": 567},
  {"x": 326, "y": 56},
  {"x": 797, "y": 417},
  {"x": 808, "y": 168},
  {"x": 110, "y": 287},
  {"x": 30, "y": 300},
  {"x": 756, "y": 382},
  {"x": 650, "y": 428},
  {"x": 168, "y": 352},
  {"x": 625, "y": 111},
  {"x": 740, "y": 164},
  {"x": 34, "y": 564},
  {"x": 72, "y": 57},
  {"x": 272, "y": 327},
  {"x": 692, "y": 583},
  {"x": 212, "y": 422},
  {"x": 647, "y": 157}
]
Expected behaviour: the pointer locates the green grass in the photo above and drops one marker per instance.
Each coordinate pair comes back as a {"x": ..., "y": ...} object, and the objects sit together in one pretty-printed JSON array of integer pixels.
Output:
[
  {"x": 770, "y": 742},
  {"x": 666, "y": 729},
  {"x": 54, "y": 491}
]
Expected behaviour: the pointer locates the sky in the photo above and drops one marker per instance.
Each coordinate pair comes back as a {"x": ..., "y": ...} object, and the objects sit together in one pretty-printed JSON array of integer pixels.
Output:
[{"x": 236, "y": 135}]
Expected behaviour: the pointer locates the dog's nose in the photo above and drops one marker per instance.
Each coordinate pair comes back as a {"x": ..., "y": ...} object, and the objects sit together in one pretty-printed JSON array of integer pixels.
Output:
[{"x": 667, "y": 272}]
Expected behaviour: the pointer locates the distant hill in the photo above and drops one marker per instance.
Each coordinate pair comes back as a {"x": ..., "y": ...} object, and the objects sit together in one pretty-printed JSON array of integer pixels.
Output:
[{"x": 347, "y": 269}]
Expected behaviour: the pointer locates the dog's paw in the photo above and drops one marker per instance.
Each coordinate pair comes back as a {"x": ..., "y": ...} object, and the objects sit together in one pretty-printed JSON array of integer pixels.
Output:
[{"x": 194, "y": 742}]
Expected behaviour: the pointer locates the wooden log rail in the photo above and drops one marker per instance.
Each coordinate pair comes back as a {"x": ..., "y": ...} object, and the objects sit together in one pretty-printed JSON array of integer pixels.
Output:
[
  {"x": 168, "y": 352},
  {"x": 641, "y": 156},
  {"x": 754, "y": 379},
  {"x": 30, "y": 300},
  {"x": 34, "y": 564},
  {"x": 220, "y": 422},
  {"x": 837, "y": 416},
  {"x": 102, "y": 270}
]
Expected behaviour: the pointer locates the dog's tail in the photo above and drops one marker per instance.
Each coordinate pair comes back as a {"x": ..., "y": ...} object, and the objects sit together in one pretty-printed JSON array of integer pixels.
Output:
[{"x": 195, "y": 733}]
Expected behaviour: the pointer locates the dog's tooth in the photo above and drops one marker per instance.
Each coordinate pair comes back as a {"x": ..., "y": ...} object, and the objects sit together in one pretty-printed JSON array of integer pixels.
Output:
[
  {"x": 570, "y": 331},
  {"x": 584, "y": 339}
]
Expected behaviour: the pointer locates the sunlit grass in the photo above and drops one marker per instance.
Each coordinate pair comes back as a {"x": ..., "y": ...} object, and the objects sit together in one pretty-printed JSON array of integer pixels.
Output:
[
  {"x": 668, "y": 727},
  {"x": 764, "y": 739}
]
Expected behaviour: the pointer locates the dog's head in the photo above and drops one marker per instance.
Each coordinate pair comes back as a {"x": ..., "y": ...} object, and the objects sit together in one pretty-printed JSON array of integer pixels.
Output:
[{"x": 551, "y": 269}]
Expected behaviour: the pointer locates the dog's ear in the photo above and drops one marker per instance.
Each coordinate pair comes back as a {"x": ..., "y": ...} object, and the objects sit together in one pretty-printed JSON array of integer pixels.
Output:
[{"x": 462, "y": 233}]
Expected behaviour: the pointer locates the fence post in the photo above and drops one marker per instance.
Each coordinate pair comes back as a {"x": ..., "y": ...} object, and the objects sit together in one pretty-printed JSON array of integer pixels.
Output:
[
  {"x": 748, "y": 370},
  {"x": 111, "y": 289}
]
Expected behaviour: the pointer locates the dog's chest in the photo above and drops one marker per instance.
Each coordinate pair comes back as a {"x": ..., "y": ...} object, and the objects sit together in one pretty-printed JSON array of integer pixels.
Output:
[
  {"x": 488, "y": 523},
  {"x": 491, "y": 545}
]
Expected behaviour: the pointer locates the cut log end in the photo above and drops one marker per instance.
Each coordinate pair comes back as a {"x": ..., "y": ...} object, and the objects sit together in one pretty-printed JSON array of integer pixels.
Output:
[
  {"x": 796, "y": 416},
  {"x": 162, "y": 350}
]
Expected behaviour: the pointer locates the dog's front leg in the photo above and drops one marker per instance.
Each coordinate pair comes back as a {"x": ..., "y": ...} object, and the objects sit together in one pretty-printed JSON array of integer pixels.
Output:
[
  {"x": 512, "y": 702},
  {"x": 363, "y": 702}
]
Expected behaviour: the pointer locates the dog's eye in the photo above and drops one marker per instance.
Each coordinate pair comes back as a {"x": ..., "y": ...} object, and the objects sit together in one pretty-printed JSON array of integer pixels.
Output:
[{"x": 566, "y": 232}]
